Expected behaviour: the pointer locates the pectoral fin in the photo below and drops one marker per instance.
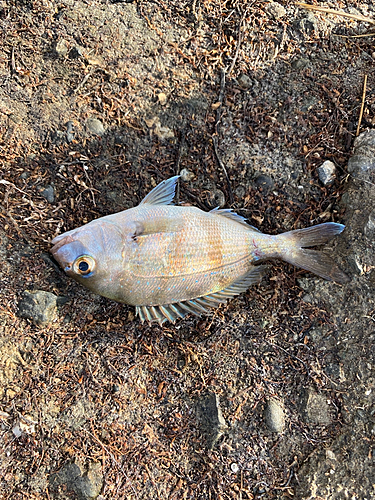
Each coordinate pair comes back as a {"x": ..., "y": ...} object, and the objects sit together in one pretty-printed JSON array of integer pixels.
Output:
[{"x": 154, "y": 226}]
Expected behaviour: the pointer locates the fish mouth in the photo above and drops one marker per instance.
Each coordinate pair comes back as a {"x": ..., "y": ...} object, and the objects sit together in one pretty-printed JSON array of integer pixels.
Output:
[
  {"x": 66, "y": 250},
  {"x": 59, "y": 242}
]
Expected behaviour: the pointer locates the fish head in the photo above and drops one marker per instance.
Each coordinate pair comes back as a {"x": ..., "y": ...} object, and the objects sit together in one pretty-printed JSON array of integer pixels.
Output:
[{"x": 90, "y": 254}]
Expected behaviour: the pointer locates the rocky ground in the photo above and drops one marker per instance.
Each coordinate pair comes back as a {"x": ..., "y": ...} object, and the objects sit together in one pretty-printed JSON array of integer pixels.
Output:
[{"x": 270, "y": 396}]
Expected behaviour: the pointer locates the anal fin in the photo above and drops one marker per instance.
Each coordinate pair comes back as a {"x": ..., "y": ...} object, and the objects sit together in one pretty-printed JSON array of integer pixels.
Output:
[{"x": 200, "y": 305}]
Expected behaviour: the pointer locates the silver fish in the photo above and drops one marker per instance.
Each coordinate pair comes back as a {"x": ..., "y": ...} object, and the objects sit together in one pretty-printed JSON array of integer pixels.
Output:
[{"x": 169, "y": 261}]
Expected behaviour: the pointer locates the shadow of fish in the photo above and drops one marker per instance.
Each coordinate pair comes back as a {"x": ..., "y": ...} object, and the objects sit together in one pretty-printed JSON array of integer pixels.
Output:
[{"x": 169, "y": 261}]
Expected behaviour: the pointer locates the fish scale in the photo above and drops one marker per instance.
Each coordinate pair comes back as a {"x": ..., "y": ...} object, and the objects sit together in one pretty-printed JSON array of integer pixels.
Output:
[{"x": 169, "y": 261}]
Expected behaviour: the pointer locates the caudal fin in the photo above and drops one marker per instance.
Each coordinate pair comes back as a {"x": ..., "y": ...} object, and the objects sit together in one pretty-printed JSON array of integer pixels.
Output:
[{"x": 296, "y": 250}]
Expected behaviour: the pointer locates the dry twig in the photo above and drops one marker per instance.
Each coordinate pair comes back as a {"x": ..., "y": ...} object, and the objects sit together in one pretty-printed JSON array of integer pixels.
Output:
[
  {"x": 216, "y": 135},
  {"x": 325, "y": 10},
  {"x": 362, "y": 105}
]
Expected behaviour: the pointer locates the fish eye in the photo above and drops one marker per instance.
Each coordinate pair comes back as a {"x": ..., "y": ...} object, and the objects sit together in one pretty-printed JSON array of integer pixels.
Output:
[{"x": 84, "y": 265}]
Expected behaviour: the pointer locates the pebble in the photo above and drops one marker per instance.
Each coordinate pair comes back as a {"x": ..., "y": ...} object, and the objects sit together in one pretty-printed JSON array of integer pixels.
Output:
[
  {"x": 327, "y": 173},
  {"x": 245, "y": 82},
  {"x": 234, "y": 468},
  {"x": 265, "y": 182},
  {"x": 300, "y": 63},
  {"x": 186, "y": 175},
  {"x": 217, "y": 198},
  {"x": 276, "y": 10},
  {"x": 86, "y": 483},
  {"x": 26, "y": 425},
  {"x": 49, "y": 193},
  {"x": 362, "y": 162},
  {"x": 275, "y": 415},
  {"x": 39, "y": 306},
  {"x": 70, "y": 132},
  {"x": 155, "y": 126},
  {"x": 95, "y": 126},
  {"x": 162, "y": 98},
  {"x": 369, "y": 228},
  {"x": 212, "y": 423},
  {"x": 61, "y": 48},
  {"x": 316, "y": 408}
]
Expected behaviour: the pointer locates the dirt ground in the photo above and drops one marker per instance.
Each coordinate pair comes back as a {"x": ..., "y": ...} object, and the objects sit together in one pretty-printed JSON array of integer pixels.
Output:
[{"x": 272, "y": 395}]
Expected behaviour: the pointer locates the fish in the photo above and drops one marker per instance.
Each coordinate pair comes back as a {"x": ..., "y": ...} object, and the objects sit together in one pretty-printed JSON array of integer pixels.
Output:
[{"x": 169, "y": 260}]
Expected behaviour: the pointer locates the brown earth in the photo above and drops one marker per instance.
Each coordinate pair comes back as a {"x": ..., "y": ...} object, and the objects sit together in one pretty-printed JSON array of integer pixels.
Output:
[{"x": 270, "y": 396}]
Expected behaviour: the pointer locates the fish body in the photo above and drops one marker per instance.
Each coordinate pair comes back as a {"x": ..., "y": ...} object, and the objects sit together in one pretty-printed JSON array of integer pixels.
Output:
[{"x": 171, "y": 260}]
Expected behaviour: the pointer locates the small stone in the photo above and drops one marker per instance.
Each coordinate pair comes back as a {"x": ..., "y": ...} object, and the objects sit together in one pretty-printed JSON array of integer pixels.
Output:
[
  {"x": 217, "y": 198},
  {"x": 61, "y": 48},
  {"x": 95, "y": 126},
  {"x": 186, "y": 175},
  {"x": 362, "y": 163},
  {"x": 327, "y": 173},
  {"x": 316, "y": 408},
  {"x": 264, "y": 182},
  {"x": 70, "y": 132},
  {"x": 369, "y": 228},
  {"x": 162, "y": 98},
  {"x": 245, "y": 82},
  {"x": 17, "y": 431},
  {"x": 300, "y": 63},
  {"x": 26, "y": 425},
  {"x": 158, "y": 129},
  {"x": 39, "y": 306},
  {"x": 234, "y": 468},
  {"x": 330, "y": 455},
  {"x": 49, "y": 193},
  {"x": 275, "y": 415},
  {"x": 77, "y": 51},
  {"x": 276, "y": 10},
  {"x": 212, "y": 423},
  {"x": 86, "y": 483}
]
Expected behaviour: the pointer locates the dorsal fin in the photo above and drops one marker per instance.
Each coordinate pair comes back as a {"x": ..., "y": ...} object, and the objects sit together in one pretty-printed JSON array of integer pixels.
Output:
[
  {"x": 162, "y": 194},
  {"x": 227, "y": 212}
]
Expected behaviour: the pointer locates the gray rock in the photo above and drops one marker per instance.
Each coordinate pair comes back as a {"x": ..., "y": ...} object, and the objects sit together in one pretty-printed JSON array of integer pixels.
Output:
[
  {"x": 264, "y": 182},
  {"x": 49, "y": 193},
  {"x": 95, "y": 126},
  {"x": 315, "y": 408},
  {"x": 61, "y": 48},
  {"x": 217, "y": 198},
  {"x": 369, "y": 228},
  {"x": 211, "y": 420},
  {"x": 276, "y": 10},
  {"x": 70, "y": 132},
  {"x": 245, "y": 82},
  {"x": 86, "y": 483},
  {"x": 362, "y": 163},
  {"x": 327, "y": 173},
  {"x": 186, "y": 175},
  {"x": 300, "y": 63},
  {"x": 163, "y": 132},
  {"x": 275, "y": 415},
  {"x": 307, "y": 24},
  {"x": 39, "y": 306}
]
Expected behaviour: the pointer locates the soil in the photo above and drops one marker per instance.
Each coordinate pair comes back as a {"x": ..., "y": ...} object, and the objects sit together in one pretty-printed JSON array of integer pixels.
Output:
[{"x": 270, "y": 396}]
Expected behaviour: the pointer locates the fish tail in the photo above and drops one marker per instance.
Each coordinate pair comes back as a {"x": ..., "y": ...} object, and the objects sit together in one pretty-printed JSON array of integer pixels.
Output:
[{"x": 294, "y": 249}]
